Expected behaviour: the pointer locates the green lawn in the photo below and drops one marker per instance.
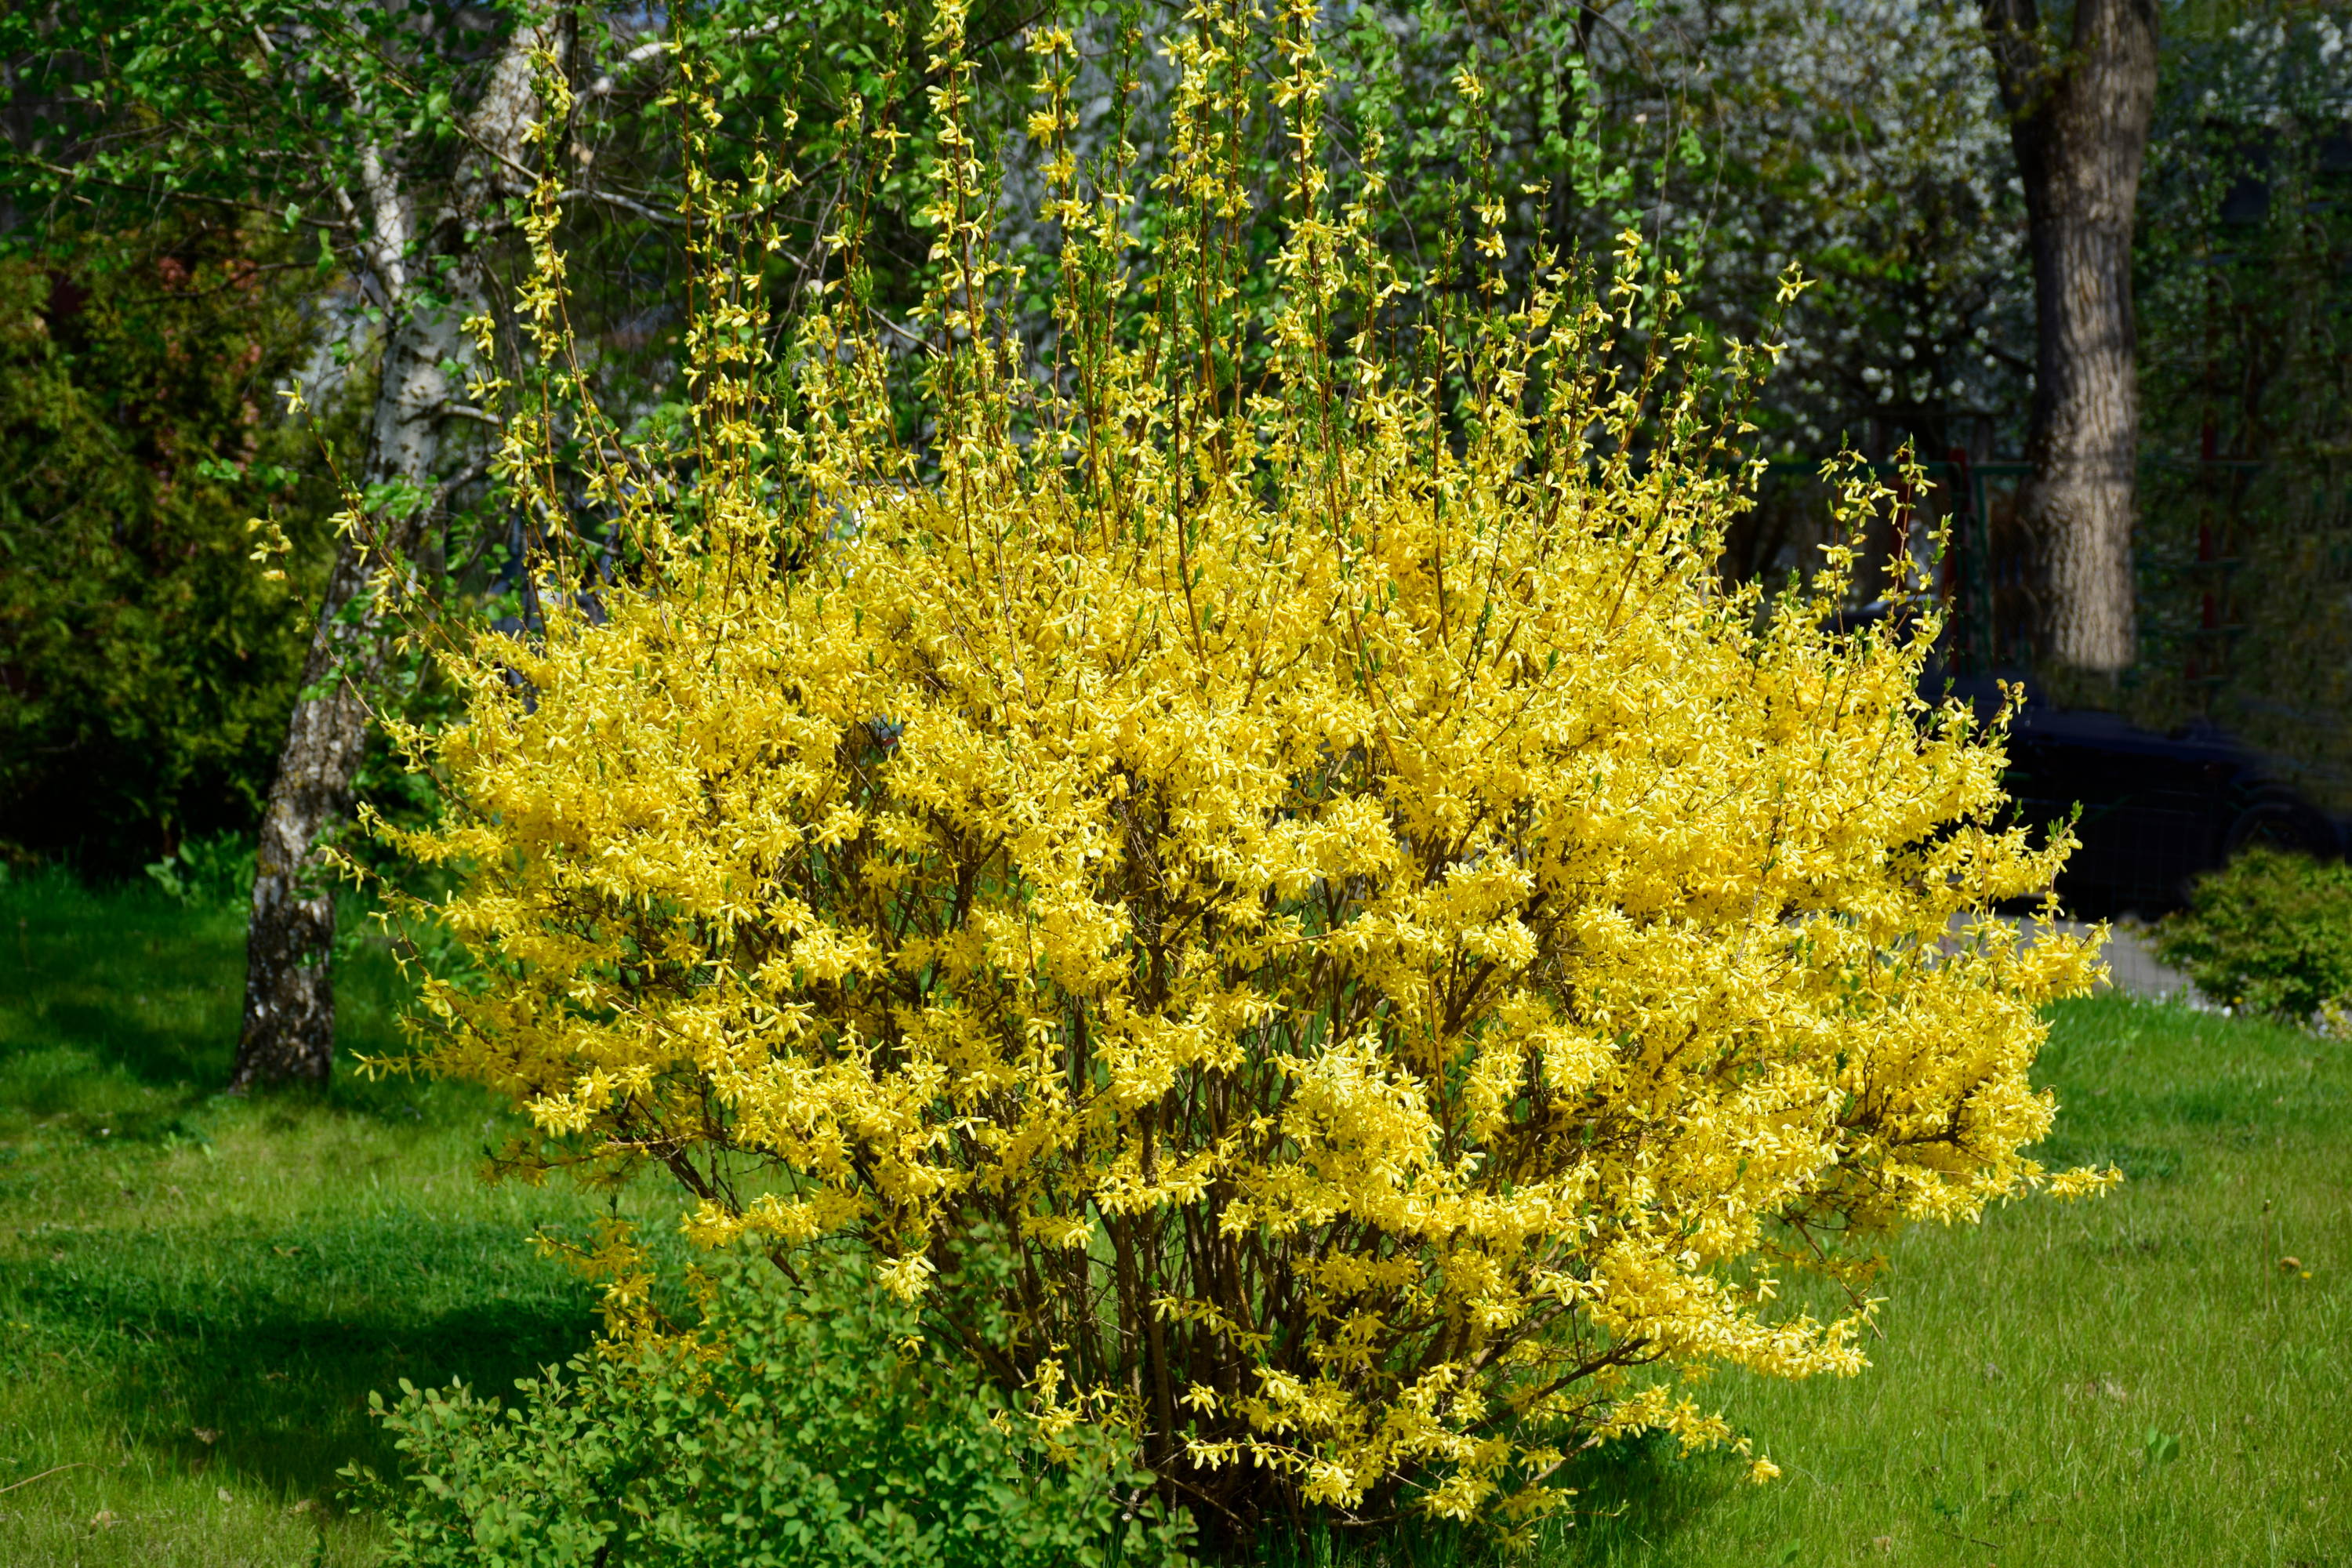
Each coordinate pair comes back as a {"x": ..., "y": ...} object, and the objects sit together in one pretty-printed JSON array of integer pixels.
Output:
[
  {"x": 2132, "y": 1380},
  {"x": 196, "y": 1295}
]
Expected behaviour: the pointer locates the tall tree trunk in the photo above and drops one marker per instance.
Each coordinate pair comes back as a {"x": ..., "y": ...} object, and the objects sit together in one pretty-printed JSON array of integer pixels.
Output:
[
  {"x": 288, "y": 1028},
  {"x": 2079, "y": 119}
]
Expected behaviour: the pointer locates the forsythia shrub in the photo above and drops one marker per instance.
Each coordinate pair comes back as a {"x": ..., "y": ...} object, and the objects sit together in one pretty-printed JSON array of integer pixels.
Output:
[
  {"x": 1265, "y": 879},
  {"x": 781, "y": 1435}
]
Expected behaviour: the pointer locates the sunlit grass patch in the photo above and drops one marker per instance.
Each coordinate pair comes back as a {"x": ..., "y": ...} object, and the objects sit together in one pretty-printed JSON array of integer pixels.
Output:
[{"x": 2153, "y": 1377}]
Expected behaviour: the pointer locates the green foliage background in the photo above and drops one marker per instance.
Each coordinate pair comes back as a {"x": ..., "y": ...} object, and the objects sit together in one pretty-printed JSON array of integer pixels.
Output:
[
  {"x": 146, "y": 664},
  {"x": 2243, "y": 276}
]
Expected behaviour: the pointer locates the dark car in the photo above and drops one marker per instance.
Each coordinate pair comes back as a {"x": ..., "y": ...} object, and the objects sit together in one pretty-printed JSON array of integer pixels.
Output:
[{"x": 2158, "y": 810}]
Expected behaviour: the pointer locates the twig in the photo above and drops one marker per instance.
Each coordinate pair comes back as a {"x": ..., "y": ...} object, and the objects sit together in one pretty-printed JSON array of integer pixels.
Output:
[
  {"x": 895, "y": 331},
  {"x": 655, "y": 49},
  {"x": 28, "y": 1481},
  {"x": 636, "y": 56},
  {"x": 614, "y": 198},
  {"x": 83, "y": 176},
  {"x": 465, "y": 475}
]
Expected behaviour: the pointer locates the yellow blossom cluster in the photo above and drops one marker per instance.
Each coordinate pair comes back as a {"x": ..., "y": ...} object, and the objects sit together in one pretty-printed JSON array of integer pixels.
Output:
[{"x": 1296, "y": 914}]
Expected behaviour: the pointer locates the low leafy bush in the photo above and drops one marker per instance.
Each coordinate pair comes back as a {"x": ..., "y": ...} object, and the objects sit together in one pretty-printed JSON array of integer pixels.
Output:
[
  {"x": 215, "y": 871},
  {"x": 2272, "y": 933},
  {"x": 793, "y": 1431}
]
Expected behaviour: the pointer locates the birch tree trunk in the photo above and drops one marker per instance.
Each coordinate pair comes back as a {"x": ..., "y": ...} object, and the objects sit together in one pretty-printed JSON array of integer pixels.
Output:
[
  {"x": 2079, "y": 119},
  {"x": 288, "y": 1028}
]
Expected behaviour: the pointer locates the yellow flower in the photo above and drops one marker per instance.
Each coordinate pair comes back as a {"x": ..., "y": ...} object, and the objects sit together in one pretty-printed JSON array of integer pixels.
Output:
[{"x": 1313, "y": 926}]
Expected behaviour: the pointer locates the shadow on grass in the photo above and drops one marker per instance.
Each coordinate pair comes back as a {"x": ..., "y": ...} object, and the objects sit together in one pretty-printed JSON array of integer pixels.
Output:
[
  {"x": 291, "y": 1401},
  {"x": 257, "y": 1356},
  {"x": 1636, "y": 1494},
  {"x": 119, "y": 1020}
]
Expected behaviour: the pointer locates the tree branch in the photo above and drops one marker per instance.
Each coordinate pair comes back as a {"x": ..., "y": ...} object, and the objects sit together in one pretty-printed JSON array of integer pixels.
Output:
[
  {"x": 2021, "y": 66},
  {"x": 626, "y": 204}
]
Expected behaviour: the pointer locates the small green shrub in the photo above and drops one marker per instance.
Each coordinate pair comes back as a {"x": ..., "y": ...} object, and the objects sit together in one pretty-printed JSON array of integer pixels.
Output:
[
  {"x": 212, "y": 872},
  {"x": 2273, "y": 933},
  {"x": 791, "y": 1432}
]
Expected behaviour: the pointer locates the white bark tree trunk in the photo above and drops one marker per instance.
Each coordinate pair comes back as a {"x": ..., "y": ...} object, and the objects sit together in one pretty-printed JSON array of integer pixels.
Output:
[{"x": 288, "y": 1028}]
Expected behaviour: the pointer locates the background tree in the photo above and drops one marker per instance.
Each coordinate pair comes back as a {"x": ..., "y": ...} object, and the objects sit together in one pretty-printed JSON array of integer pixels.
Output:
[
  {"x": 2079, "y": 116},
  {"x": 391, "y": 139},
  {"x": 422, "y": 245},
  {"x": 2244, "y": 285},
  {"x": 390, "y": 136}
]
